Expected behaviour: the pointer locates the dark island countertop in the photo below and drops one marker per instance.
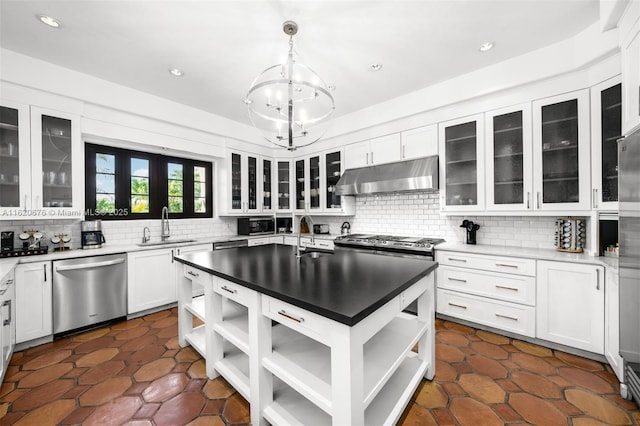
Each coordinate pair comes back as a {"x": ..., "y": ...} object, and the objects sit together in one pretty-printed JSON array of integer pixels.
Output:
[{"x": 346, "y": 286}]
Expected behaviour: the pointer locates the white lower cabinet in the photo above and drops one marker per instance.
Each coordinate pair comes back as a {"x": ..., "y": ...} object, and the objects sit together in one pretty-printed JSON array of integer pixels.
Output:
[
  {"x": 612, "y": 322},
  {"x": 261, "y": 241},
  {"x": 197, "y": 289},
  {"x": 570, "y": 305},
  {"x": 7, "y": 321},
  {"x": 34, "y": 301},
  {"x": 150, "y": 279}
]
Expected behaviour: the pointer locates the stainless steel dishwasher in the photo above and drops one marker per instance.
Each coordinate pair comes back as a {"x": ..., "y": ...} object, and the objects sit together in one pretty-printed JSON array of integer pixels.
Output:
[{"x": 88, "y": 291}]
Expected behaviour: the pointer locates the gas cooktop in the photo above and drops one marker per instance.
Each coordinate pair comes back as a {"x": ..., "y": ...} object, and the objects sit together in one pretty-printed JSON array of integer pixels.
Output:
[{"x": 388, "y": 242}]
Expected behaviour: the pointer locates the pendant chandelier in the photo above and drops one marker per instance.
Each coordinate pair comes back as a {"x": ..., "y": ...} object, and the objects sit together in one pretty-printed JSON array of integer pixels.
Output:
[{"x": 287, "y": 102}]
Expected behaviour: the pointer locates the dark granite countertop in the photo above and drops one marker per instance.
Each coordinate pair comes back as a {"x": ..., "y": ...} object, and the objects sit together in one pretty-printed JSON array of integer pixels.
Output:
[{"x": 346, "y": 286}]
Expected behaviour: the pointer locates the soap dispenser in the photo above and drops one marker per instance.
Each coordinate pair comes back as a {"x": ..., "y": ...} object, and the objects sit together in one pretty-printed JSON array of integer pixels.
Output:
[{"x": 471, "y": 230}]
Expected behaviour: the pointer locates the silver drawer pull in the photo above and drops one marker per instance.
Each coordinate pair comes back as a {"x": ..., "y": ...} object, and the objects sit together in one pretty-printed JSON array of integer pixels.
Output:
[
  {"x": 193, "y": 274},
  {"x": 506, "y": 265},
  {"x": 507, "y": 317},
  {"x": 291, "y": 317},
  {"x": 230, "y": 290},
  {"x": 457, "y": 260},
  {"x": 506, "y": 288},
  {"x": 457, "y": 306},
  {"x": 457, "y": 279}
]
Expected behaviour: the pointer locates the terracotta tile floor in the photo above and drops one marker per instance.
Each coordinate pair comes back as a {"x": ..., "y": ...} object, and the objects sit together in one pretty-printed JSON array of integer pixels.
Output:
[{"x": 135, "y": 373}]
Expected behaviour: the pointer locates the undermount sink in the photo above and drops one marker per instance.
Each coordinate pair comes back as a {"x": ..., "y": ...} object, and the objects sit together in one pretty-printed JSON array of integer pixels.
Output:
[
  {"x": 166, "y": 242},
  {"x": 315, "y": 254}
]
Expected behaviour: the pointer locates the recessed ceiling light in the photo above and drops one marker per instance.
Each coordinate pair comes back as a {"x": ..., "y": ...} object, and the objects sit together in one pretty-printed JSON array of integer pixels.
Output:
[
  {"x": 48, "y": 20},
  {"x": 176, "y": 72},
  {"x": 485, "y": 47},
  {"x": 375, "y": 67}
]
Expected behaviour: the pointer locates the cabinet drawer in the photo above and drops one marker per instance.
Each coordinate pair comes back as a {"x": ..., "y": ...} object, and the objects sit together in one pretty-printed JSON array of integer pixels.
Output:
[
  {"x": 321, "y": 244},
  {"x": 494, "y": 313},
  {"x": 510, "y": 265},
  {"x": 300, "y": 320},
  {"x": 233, "y": 291},
  {"x": 196, "y": 275},
  {"x": 508, "y": 287}
]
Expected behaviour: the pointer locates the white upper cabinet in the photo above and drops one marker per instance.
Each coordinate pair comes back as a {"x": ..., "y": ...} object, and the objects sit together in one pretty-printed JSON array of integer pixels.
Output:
[
  {"x": 606, "y": 122},
  {"x": 283, "y": 185},
  {"x": 509, "y": 158},
  {"x": 630, "y": 48},
  {"x": 561, "y": 149},
  {"x": 243, "y": 172},
  {"x": 308, "y": 193},
  {"x": 462, "y": 164},
  {"x": 420, "y": 142},
  {"x": 268, "y": 200},
  {"x": 385, "y": 149},
  {"x": 15, "y": 158}
]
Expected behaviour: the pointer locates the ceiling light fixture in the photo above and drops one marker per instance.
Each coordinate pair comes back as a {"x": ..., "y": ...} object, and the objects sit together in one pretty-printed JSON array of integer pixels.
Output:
[
  {"x": 176, "y": 72},
  {"x": 375, "y": 67},
  {"x": 485, "y": 47},
  {"x": 48, "y": 20},
  {"x": 288, "y": 102}
]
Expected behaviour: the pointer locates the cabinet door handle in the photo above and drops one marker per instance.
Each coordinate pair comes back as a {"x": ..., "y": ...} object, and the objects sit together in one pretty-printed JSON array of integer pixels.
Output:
[
  {"x": 193, "y": 274},
  {"x": 538, "y": 195},
  {"x": 506, "y": 288},
  {"x": 8, "y": 320},
  {"x": 506, "y": 265},
  {"x": 595, "y": 198},
  {"x": 453, "y": 259},
  {"x": 528, "y": 200},
  {"x": 597, "y": 279},
  {"x": 366, "y": 161},
  {"x": 404, "y": 151},
  {"x": 172, "y": 255},
  {"x": 25, "y": 202},
  {"x": 44, "y": 268},
  {"x": 457, "y": 306},
  {"x": 506, "y": 317},
  {"x": 457, "y": 279},
  {"x": 229, "y": 290},
  {"x": 291, "y": 317},
  {"x": 371, "y": 157}
]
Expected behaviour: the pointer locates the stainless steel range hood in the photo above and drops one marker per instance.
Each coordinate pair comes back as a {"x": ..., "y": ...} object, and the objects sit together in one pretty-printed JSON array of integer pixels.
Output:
[{"x": 412, "y": 175}]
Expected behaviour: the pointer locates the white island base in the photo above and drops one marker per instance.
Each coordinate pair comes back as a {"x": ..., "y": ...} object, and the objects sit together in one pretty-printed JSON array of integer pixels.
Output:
[{"x": 307, "y": 368}]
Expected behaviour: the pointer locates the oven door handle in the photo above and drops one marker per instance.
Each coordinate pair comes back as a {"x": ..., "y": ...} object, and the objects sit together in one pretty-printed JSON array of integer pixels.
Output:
[{"x": 88, "y": 265}]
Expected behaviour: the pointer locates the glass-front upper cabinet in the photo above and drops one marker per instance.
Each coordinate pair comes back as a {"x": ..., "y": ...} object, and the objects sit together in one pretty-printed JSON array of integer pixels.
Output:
[
  {"x": 606, "y": 129},
  {"x": 236, "y": 182},
  {"x": 314, "y": 184},
  {"x": 300, "y": 184},
  {"x": 252, "y": 183},
  {"x": 332, "y": 172},
  {"x": 267, "y": 203},
  {"x": 284, "y": 185},
  {"x": 56, "y": 152},
  {"x": 561, "y": 152},
  {"x": 15, "y": 180},
  {"x": 243, "y": 179},
  {"x": 509, "y": 176},
  {"x": 462, "y": 164}
]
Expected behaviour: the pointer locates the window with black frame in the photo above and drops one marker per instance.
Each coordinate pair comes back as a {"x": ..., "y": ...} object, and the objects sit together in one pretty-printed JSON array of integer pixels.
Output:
[{"x": 127, "y": 184}]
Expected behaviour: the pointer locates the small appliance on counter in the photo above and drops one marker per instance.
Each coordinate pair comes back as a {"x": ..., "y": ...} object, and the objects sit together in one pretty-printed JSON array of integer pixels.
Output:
[
  {"x": 571, "y": 234},
  {"x": 7, "y": 241},
  {"x": 320, "y": 228},
  {"x": 284, "y": 225},
  {"x": 345, "y": 228},
  {"x": 91, "y": 234},
  {"x": 256, "y": 225},
  {"x": 30, "y": 244},
  {"x": 471, "y": 228}
]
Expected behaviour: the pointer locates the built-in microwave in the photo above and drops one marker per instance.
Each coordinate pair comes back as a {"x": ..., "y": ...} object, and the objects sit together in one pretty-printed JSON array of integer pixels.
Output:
[{"x": 256, "y": 225}]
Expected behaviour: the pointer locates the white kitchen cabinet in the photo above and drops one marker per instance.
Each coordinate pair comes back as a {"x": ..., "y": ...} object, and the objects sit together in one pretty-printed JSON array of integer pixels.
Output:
[
  {"x": 561, "y": 152},
  {"x": 606, "y": 122},
  {"x": 34, "y": 301},
  {"x": 7, "y": 321},
  {"x": 268, "y": 174},
  {"x": 612, "y": 323},
  {"x": 509, "y": 182},
  {"x": 151, "y": 279},
  {"x": 42, "y": 173},
  {"x": 630, "y": 48},
  {"x": 15, "y": 158},
  {"x": 494, "y": 291},
  {"x": 308, "y": 193},
  {"x": 420, "y": 142},
  {"x": 332, "y": 170},
  {"x": 283, "y": 183},
  {"x": 261, "y": 241},
  {"x": 571, "y": 304},
  {"x": 243, "y": 172},
  {"x": 461, "y": 147},
  {"x": 385, "y": 149},
  {"x": 177, "y": 269}
]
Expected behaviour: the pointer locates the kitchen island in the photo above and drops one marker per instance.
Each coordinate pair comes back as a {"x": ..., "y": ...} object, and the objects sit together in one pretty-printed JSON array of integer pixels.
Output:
[{"x": 316, "y": 340}]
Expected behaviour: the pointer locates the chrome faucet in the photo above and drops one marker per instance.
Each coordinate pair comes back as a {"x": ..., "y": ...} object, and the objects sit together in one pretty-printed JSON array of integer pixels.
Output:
[
  {"x": 145, "y": 237},
  {"x": 166, "y": 232},
  {"x": 309, "y": 223}
]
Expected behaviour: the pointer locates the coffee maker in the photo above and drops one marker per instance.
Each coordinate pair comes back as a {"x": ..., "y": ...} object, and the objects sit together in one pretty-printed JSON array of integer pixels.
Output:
[
  {"x": 7, "y": 241},
  {"x": 91, "y": 234}
]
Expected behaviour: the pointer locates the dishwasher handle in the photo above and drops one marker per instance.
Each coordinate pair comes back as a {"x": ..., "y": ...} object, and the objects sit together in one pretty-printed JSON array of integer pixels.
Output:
[{"x": 88, "y": 265}]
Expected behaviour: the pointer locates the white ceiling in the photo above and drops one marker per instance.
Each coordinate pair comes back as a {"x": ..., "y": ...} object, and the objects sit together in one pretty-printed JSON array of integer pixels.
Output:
[{"x": 223, "y": 45}]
